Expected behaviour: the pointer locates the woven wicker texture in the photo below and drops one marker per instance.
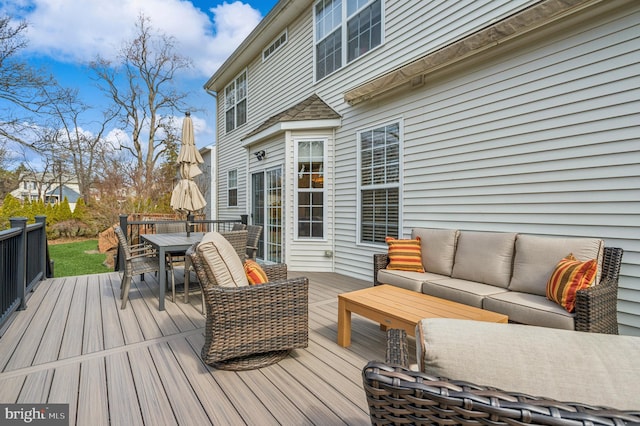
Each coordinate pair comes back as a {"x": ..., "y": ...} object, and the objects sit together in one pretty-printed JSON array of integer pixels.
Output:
[
  {"x": 397, "y": 395},
  {"x": 253, "y": 326},
  {"x": 138, "y": 259},
  {"x": 596, "y": 307}
]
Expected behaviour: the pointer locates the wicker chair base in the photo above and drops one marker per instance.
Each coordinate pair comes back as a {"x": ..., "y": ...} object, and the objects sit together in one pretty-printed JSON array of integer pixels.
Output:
[{"x": 251, "y": 362}]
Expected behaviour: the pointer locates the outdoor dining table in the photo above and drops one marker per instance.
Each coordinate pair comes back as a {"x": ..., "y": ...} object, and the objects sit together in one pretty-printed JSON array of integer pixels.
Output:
[{"x": 169, "y": 243}]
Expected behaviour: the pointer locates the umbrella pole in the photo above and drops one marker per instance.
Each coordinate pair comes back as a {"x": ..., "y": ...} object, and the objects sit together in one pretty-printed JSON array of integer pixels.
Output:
[{"x": 189, "y": 220}]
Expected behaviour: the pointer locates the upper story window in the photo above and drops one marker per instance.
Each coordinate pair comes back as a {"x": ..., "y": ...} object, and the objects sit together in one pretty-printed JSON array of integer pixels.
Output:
[
  {"x": 235, "y": 102},
  {"x": 344, "y": 30},
  {"x": 232, "y": 188},
  {"x": 273, "y": 47},
  {"x": 379, "y": 183}
]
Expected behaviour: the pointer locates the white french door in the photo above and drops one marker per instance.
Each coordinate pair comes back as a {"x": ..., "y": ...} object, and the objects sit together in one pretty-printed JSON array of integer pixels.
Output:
[{"x": 266, "y": 210}]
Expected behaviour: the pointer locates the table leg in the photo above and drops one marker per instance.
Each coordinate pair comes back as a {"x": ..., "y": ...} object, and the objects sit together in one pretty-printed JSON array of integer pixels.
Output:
[
  {"x": 187, "y": 276},
  {"x": 162, "y": 277},
  {"x": 344, "y": 324}
]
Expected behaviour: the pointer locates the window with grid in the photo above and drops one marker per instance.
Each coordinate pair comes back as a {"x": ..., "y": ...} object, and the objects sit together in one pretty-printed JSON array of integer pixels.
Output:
[
  {"x": 310, "y": 189},
  {"x": 235, "y": 102},
  {"x": 232, "y": 188},
  {"x": 345, "y": 30},
  {"x": 379, "y": 172}
]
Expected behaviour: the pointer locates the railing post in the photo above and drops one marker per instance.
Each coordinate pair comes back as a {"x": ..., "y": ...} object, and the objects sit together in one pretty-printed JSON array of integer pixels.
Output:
[
  {"x": 43, "y": 244},
  {"x": 124, "y": 226},
  {"x": 21, "y": 222}
]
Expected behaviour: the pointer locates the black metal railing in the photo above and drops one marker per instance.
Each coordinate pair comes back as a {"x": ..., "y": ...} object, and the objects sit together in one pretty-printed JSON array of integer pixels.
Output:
[
  {"x": 147, "y": 225},
  {"x": 23, "y": 262}
]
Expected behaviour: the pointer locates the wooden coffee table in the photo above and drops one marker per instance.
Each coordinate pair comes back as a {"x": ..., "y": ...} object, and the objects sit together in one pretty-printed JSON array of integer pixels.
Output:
[{"x": 395, "y": 307}]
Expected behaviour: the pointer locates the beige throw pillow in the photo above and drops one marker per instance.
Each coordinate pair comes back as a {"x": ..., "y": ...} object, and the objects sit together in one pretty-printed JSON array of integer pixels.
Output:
[{"x": 223, "y": 260}]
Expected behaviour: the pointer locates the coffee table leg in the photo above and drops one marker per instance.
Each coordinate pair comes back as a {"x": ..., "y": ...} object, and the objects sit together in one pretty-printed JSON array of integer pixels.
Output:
[{"x": 344, "y": 324}]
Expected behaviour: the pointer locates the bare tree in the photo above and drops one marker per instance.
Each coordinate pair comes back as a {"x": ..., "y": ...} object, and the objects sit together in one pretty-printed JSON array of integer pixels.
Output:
[
  {"x": 141, "y": 87},
  {"x": 20, "y": 84},
  {"x": 82, "y": 147}
]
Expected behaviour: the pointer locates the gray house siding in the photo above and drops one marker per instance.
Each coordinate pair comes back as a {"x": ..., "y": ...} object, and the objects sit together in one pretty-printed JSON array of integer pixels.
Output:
[
  {"x": 537, "y": 134},
  {"x": 542, "y": 139}
]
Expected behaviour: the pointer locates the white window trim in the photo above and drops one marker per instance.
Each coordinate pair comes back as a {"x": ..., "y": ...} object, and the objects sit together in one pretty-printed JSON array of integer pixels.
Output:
[
  {"x": 235, "y": 105},
  {"x": 325, "y": 143},
  {"x": 344, "y": 41},
  {"x": 400, "y": 184},
  {"x": 285, "y": 33}
]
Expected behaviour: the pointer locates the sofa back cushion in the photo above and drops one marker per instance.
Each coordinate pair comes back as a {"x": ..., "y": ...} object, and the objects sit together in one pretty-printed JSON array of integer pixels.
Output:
[
  {"x": 484, "y": 257},
  {"x": 438, "y": 249},
  {"x": 537, "y": 256},
  {"x": 566, "y": 365},
  {"x": 223, "y": 261}
]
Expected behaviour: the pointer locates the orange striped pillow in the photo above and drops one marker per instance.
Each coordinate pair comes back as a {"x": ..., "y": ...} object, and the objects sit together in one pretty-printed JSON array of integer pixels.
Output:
[
  {"x": 570, "y": 276},
  {"x": 255, "y": 273},
  {"x": 404, "y": 255}
]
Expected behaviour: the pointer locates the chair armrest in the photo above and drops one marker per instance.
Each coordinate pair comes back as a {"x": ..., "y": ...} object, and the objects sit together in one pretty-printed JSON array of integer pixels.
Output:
[
  {"x": 276, "y": 272},
  {"x": 597, "y": 308},
  {"x": 397, "y": 394},
  {"x": 380, "y": 261}
]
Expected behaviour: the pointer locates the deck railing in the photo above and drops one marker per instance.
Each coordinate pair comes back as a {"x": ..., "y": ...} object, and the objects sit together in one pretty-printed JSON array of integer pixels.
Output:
[
  {"x": 147, "y": 225},
  {"x": 23, "y": 262}
]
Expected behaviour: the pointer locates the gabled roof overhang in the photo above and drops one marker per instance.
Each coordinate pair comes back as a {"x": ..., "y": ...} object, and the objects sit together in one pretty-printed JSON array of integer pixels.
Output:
[
  {"x": 414, "y": 73},
  {"x": 310, "y": 114},
  {"x": 282, "y": 14}
]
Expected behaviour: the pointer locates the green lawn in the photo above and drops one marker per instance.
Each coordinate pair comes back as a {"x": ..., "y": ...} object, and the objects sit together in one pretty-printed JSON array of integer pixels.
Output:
[{"x": 80, "y": 258}]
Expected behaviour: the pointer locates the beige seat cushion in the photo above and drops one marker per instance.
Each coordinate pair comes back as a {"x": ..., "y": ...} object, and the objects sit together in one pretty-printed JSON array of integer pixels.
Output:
[
  {"x": 531, "y": 309},
  {"x": 590, "y": 368},
  {"x": 484, "y": 257},
  {"x": 462, "y": 291},
  {"x": 438, "y": 248},
  {"x": 405, "y": 279},
  {"x": 537, "y": 256},
  {"x": 223, "y": 260}
]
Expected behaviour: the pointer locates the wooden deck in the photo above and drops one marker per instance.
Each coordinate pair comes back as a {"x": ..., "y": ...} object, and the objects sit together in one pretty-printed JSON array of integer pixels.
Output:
[{"x": 140, "y": 366}]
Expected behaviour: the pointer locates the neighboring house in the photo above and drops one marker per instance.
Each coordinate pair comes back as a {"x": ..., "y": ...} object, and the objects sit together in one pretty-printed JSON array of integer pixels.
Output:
[
  {"x": 207, "y": 180},
  {"x": 48, "y": 188},
  {"x": 342, "y": 122}
]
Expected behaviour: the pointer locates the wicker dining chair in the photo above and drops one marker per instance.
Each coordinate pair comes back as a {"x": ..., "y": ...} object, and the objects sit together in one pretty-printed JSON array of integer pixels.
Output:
[
  {"x": 254, "y": 232},
  {"x": 138, "y": 260},
  {"x": 250, "y": 326}
]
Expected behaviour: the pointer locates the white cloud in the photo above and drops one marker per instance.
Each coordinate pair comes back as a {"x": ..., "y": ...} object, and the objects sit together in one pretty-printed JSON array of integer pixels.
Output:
[{"x": 75, "y": 31}]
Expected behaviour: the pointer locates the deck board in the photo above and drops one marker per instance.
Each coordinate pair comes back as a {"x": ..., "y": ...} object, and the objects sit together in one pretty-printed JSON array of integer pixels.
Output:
[{"x": 141, "y": 366}]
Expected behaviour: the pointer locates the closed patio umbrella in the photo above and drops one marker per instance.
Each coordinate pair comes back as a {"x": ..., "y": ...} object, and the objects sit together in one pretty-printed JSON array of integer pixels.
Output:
[{"x": 186, "y": 196}]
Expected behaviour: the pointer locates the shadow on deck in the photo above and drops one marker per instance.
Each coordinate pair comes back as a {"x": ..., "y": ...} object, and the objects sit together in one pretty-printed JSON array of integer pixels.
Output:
[{"x": 141, "y": 366}]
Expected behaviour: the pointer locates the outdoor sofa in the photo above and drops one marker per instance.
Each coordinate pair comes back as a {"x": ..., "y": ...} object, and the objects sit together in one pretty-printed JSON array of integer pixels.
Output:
[
  {"x": 508, "y": 273},
  {"x": 473, "y": 372}
]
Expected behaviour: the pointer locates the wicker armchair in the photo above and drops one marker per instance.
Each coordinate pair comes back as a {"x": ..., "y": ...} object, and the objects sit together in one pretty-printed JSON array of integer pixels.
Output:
[
  {"x": 596, "y": 306},
  {"x": 251, "y": 326},
  {"x": 138, "y": 259},
  {"x": 398, "y": 395}
]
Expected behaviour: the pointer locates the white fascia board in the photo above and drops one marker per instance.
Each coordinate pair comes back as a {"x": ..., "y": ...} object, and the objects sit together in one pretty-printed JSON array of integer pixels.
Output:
[{"x": 291, "y": 125}]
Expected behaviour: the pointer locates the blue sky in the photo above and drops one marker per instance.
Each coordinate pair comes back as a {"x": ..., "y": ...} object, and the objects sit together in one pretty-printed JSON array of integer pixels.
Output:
[{"x": 64, "y": 35}]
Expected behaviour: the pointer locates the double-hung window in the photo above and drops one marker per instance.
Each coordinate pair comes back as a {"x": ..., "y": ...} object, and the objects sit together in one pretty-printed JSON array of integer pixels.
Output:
[
  {"x": 232, "y": 188},
  {"x": 344, "y": 30},
  {"x": 379, "y": 182},
  {"x": 235, "y": 102},
  {"x": 310, "y": 188}
]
